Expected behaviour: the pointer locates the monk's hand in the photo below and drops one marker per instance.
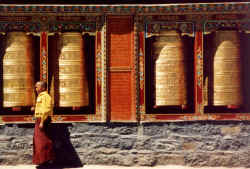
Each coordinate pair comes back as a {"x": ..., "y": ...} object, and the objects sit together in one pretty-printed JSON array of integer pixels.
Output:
[
  {"x": 41, "y": 125},
  {"x": 32, "y": 108}
]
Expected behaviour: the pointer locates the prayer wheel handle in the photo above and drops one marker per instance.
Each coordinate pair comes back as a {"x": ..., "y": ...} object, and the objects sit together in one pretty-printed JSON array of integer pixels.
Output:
[
  {"x": 16, "y": 108},
  {"x": 233, "y": 106},
  {"x": 184, "y": 106},
  {"x": 75, "y": 108}
]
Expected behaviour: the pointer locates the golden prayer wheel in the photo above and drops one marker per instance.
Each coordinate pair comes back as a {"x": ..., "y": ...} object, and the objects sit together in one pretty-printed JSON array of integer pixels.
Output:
[
  {"x": 227, "y": 73},
  {"x": 71, "y": 80},
  {"x": 170, "y": 78},
  {"x": 18, "y": 71}
]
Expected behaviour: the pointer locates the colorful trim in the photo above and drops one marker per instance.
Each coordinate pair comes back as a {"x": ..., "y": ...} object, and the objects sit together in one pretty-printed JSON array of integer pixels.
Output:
[
  {"x": 44, "y": 56},
  {"x": 24, "y": 26},
  {"x": 154, "y": 28},
  {"x": 141, "y": 59},
  {"x": 204, "y": 117},
  {"x": 243, "y": 25},
  {"x": 198, "y": 58},
  {"x": 144, "y": 118},
  {"x": 232, "y": 7},
  {"x": 104, "y": 71},
  {"x": 62, "y": 27}
]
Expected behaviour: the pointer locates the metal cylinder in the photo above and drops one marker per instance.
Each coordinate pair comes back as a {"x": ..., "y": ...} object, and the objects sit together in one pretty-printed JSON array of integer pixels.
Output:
[
  {"x": 170, "y": 79},
  {"x": 18, "y": 70},
  {"x": 71, "y": 79},
  {"x": 227, "y": 73}
]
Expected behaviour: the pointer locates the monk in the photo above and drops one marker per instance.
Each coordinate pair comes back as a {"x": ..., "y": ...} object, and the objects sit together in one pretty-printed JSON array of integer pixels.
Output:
[{"x": 43, "y": 153}]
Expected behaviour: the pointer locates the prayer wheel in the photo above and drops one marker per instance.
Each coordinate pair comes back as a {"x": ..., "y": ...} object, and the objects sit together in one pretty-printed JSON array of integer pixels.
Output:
[
  {"x": 227, "y": 73},
  {"x": 71, "y": 80},
  {"x": 170, "y": 78},
  {"x": 18, "y": 71}
]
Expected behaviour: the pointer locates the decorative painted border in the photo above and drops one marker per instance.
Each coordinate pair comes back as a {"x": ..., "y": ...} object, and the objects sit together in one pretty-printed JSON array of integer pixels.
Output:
[
  {"x": 44, "y": 56},
  {"x": 136, "y": 69},
  {"x": 51, "y": 24},
  {"x": 144, "y": 118},
  {"x": 140, "y": 54},
  {"x": 82, "y": 27},
  {"x": 104, "y": 104},
  {"x": 180, "y": 117},
  {"x": 23, "y": 26},
  {"x": 214, "y": 25},
  {"x": 232, "y": 7},
  {"x": 154, "y": 28},
  {"x": 138, "y": 58},
  {"x": 55, "y": 119},
  {"x": 198, "y": 67}
]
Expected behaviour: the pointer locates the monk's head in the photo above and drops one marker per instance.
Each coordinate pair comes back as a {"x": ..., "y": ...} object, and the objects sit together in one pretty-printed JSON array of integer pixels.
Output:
[{"x": 40, "y": 86}]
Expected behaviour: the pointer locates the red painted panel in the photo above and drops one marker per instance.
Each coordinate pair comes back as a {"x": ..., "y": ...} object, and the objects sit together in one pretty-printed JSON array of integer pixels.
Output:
[
  {"x": 75, "y": 118},
  {"x": 121, "y": 75},
  {"x": 120, "y": 37},
  {"x": 168, "y": 117},
  {"x": 120, "y": 92},
  {"x": 55, "y": 119},
  {"x": 14, "y": 119}
]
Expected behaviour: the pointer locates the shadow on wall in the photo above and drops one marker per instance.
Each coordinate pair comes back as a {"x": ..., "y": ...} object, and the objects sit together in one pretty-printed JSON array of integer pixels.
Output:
[{"x": 66, "y": 156}]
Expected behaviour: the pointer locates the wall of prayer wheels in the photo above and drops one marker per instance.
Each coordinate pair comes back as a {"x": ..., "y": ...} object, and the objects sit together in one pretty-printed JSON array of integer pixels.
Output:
[{"x": 150, "y": 63}]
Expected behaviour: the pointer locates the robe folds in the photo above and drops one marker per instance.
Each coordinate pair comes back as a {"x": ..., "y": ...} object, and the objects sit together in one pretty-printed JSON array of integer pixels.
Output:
[{"x": 42, "y": 143}]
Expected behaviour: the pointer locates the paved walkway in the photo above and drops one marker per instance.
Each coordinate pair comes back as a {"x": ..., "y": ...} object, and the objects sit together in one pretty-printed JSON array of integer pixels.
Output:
[{"x": 116, "y": 167}]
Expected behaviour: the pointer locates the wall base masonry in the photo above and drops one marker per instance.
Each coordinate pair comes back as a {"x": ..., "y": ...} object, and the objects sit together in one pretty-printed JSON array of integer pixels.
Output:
[{"x": 204, "y": 143}]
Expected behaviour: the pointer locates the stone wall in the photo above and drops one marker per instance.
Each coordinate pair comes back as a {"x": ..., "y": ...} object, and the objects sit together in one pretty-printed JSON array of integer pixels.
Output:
[{"x": 184, "y": 143}]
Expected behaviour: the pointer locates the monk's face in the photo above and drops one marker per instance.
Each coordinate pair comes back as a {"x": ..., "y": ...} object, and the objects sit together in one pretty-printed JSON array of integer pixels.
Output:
[{"x": 39, "y": 88}]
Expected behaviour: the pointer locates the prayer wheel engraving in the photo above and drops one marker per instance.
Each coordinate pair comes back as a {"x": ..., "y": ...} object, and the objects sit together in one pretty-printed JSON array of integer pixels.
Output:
[
  {"x": 71, "y": 80},
  {"x": 227, "y": 73},
  {"x": 18, "y": 71},
  {"x": 170, "y": 79}
]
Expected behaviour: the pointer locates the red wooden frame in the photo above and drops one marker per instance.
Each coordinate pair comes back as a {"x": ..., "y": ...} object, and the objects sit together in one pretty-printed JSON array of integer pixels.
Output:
[{"x": 122, "y": 73}]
